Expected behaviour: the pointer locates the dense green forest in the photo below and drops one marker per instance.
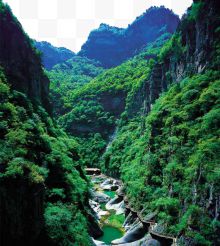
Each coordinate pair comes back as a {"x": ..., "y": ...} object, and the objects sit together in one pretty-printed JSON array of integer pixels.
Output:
[
  {"x": 99, "y": 104},
  {"x": 174, "y": 145},
  {"x": 67, "y": 77},
  {"x": 43, "y": 189},
  {"x": 175, "y": 152},
  {"x": 152, "y": 121},
  {"x": 39, "y": 158}
]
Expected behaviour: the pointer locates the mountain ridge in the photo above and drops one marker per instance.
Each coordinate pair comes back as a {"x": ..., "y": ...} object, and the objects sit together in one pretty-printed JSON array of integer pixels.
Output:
[
  {"x": 122, "y": 43},
  {"x": 152, "y": 121},
  {"x": 52, "y": 55}
]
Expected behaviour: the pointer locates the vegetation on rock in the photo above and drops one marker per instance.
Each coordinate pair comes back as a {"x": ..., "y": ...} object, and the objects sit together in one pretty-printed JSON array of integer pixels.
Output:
[
  {"x": 111, "y": 46},
  {"x": 152, "y": 121},
  {"x": 99, "y": 103},
  {"x": 43, "y": 190},
  {"x": 175, "y": 157}
]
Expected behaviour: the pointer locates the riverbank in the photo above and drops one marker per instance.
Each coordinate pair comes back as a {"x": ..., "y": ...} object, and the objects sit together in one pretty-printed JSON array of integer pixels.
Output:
[
  {"x": 110, "y": 221},
  {"x": 121, "y": 224}
]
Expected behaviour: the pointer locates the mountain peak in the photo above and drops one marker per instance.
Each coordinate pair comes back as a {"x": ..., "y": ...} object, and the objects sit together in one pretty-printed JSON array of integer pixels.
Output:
[
  {"x": 53, "y": 55},
  {"x": 118, "y": 44}
]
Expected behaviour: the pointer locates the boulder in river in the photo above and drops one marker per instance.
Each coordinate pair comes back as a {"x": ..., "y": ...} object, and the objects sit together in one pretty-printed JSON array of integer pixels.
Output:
[
  {"x": 120, "y": 191},
  {"x": 113, "y": 202},
  {"x": 130, "y": 219},
  {"x": 116, "y": 204},
  {"x": 110, "y": 184},
  {"x": 133, "y": 234},
  {"x": 106, "y": 187},
  {"x": 145, "y": 241},
  {"x": 98, "y": 243},
  {"x": 106, "y": 182},
  {"x": 100, "y": 197},
  {"x": 103, "y": 213},
  {"x": 151, "y": 242}
]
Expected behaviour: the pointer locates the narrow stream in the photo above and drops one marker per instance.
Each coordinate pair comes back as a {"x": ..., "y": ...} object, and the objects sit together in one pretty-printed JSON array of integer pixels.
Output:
[
  {"x": 110, "y": 233},
  {"x": 110, "y": 193},
  {"x": 111, "y": 223},
  {"x": 110, "y": 207}
]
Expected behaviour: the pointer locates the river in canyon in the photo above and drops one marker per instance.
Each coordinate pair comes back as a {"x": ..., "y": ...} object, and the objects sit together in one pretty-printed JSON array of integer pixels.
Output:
[{"x": 120, "y": 223}]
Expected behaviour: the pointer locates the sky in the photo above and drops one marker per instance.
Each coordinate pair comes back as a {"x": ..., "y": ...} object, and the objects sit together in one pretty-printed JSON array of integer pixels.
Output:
[{"x": 67, "y": 23}]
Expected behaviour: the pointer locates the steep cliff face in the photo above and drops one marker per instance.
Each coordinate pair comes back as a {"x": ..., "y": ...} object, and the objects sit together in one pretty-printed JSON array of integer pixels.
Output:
[
  {"x": 43, "y": 190},
  {"x": 192, "y": 49},
  {"x": 111, "y": 46},
  {"x": 51, "y": 55},
  {"x": 21, "y": 64},
  {"x": 171, "y": 136},
  {"x": 199, "y": 32},
  {"x": 169, "y": 161},
  {"x": 196, "y": 40}
]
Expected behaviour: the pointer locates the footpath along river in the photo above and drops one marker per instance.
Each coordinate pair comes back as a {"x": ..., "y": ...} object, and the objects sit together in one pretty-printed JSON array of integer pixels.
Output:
[{"x": 121, "y": 223}]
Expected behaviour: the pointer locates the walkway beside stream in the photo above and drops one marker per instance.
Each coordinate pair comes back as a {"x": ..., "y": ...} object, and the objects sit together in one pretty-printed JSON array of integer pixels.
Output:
[{"x": 121, "y": 224}]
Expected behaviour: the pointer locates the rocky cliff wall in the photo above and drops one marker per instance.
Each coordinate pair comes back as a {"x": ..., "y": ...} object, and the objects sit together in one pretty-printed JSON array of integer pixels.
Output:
[
  {"x": 19, "y": 60},
  {"x": 193, "y": 49}
]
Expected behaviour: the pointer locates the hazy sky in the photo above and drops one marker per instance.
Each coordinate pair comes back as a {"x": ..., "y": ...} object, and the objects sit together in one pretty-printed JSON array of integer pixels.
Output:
[{"x": 67, "y": 23}]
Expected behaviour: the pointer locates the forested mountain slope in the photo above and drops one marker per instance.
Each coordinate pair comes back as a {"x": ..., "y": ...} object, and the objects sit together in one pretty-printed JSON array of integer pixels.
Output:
[
  {"x": 93, "y": 109},
  {"x": 111, "y": 45},
  {"x": 152, "y": 121},
  {"x": 52, "y": 55},
  {"x": 166, "y": 151},
  {"x": 168, "y": 157},
  {"x": 175, "y": 154},
  {"x": 43, "y": 190},
  {"x": 68, "y": 76}
]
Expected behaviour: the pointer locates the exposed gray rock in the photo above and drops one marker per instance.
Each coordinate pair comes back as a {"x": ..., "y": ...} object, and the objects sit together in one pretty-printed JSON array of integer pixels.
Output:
[
  {"x": 130, "y": 219},
  {"x": 111, "y": 204},
  {"x": 142, "y": 242},
  {"x": 120, "y": 209},
  {"x": 109, "y": 184},
  {"x": 98, "y": 243},
  {"x": 100, "y": 197},
  {"x": 151, "y": 242},
  {"x": 135, "y": 233}
]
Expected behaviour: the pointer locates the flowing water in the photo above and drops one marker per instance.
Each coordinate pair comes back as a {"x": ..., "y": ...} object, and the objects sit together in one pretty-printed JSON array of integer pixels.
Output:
[
  {"x": 110, "y": 233},
  {"x": 112, "y": 223},
  {"x": 110, "y": 193},
  {"x": 112, "y": 227},
  {"x": 111, "y": 139}
]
